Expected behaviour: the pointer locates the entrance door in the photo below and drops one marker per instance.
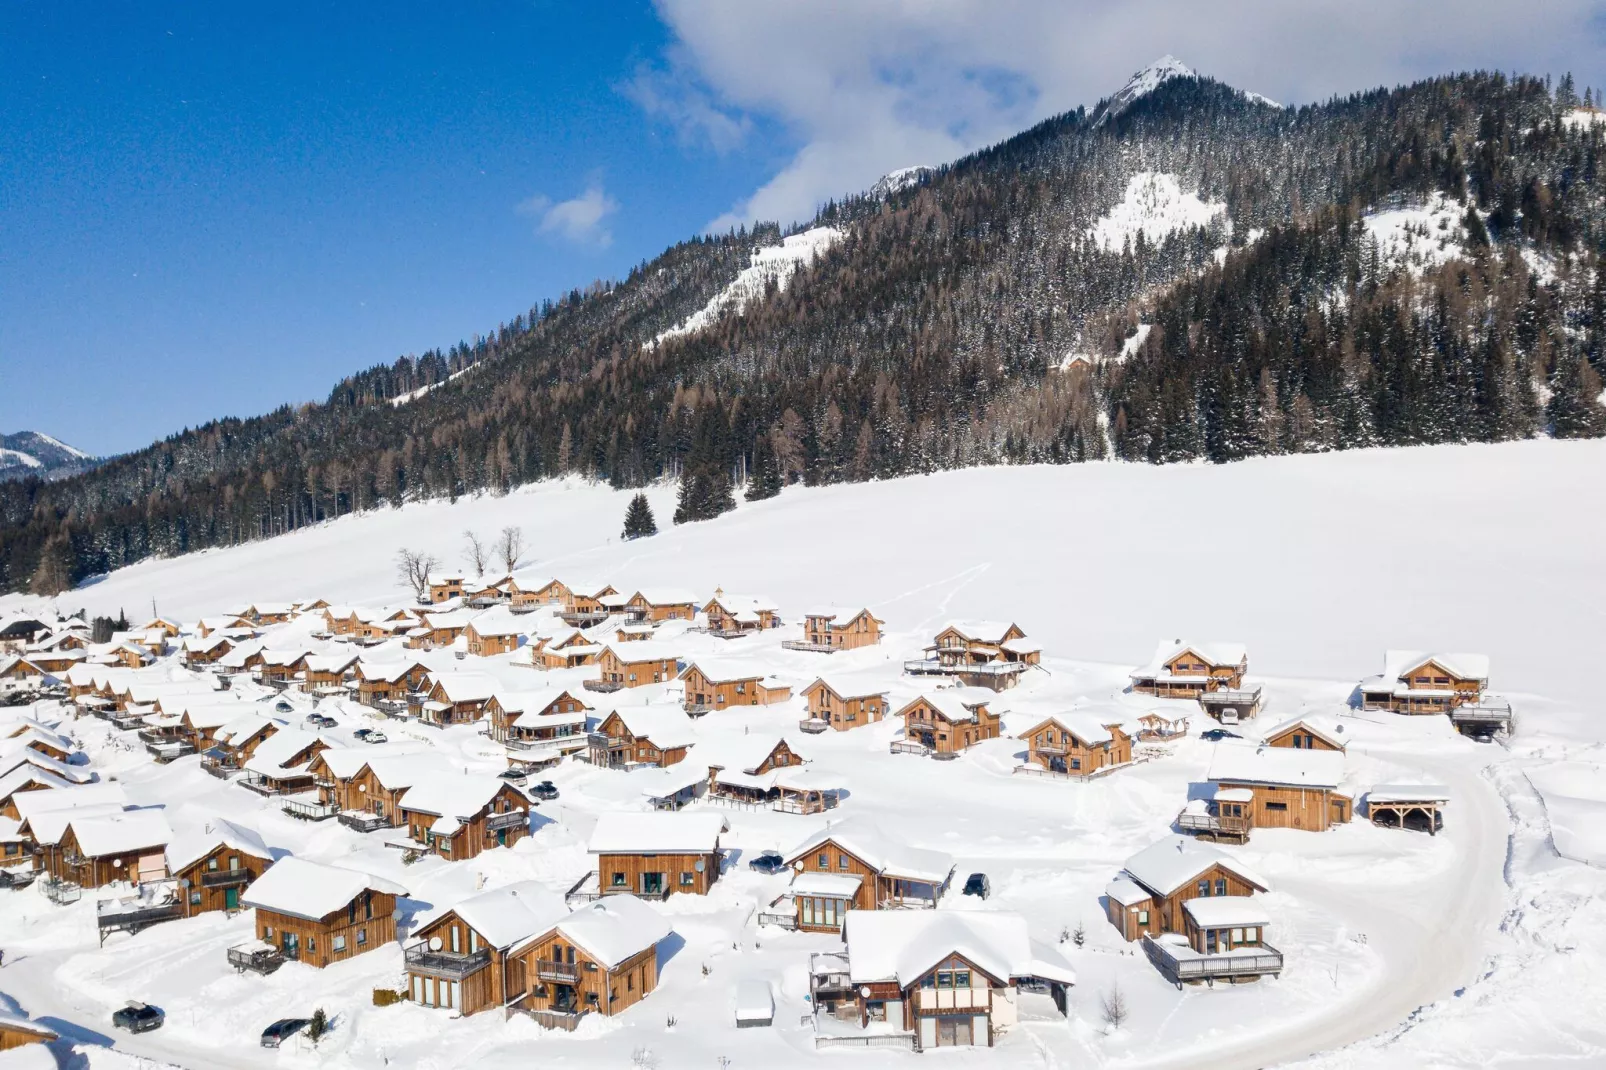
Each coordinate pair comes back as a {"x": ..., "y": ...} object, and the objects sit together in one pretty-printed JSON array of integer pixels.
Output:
[
  {"x": 563, "y": 999},
  {"x": 652, "y": 884},
  {"x": 231, "y": 899},
  {"x": 291, "y": 943},
  {"x": 501, "y": 837},
  {"x": 953, "y": 1032},
  {"x": 1056, "y": 764}
]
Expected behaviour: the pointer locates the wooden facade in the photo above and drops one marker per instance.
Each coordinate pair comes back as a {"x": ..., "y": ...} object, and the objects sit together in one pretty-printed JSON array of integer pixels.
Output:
[
  {"x": 704, "y": 693},
  {"x": 445, "y": 589},
  {"x": 624, "y": 668},
  {"x": 501, "y": 718},
  {"x": 365, "y": 923},
  {"x": 502, "y": 822},
  {"x": 1057, "y": 748},
  {"x": 654, "y": 876},
  {"x": 642, "y": 607},
  {"x": 374, "y": 688},
  {"x": 15, "y": 1033},
  {"x": 612, "y": 744},
  {"x": 1303, "y": 736},
  {"x": 1281, "y": 806},
  {"x": 844, "y": 711},
  {"x": 68, "y": 862},
  {"x": 217, "y": 878},
  {"x": 926, "y": 723},
  {"x": 467, "y": 974},
  {"x": 1155, "y": 913},
  {"x": 486, "y": 646},
  {"x": 562, "y": 977},
  {"x": 877, "y": 889},
  {"x": 841, "y": 630}
]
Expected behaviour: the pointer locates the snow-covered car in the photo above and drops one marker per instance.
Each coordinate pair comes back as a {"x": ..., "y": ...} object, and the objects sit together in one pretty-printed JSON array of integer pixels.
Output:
[
  {"x": 978, "y": 885},
  {"x": 545, "y": 790},
  {"x": 768, "y": 862},
  {"x": 513, "y": 776},
  {"x": 282, "y": 1030},
  {"x": 138, "y": 1017}
]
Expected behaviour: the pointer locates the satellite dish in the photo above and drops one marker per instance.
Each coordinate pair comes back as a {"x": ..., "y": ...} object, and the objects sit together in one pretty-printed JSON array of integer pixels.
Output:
[
  {"x": 864, "y": 990},
  {"x": 798, "y": 865},
  {"x": 434, "y": 943},
  {"x": 699, "y": 865},
  {"x": 117, "y": 863},
  {"x": 184, "y": 883},
  {"x": 362, "y": 787}
]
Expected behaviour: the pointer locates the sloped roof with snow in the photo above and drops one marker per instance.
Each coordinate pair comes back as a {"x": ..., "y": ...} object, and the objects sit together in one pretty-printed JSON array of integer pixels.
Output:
[
  {"x": 640, "y": 650},
  {"x": 451, "y": 794},
  {"x": 464, "y": 686},
  {"x": 665, "y": 726},
  {"x": 1226, "y": 911},
  {"x": 507, "y": 916},
  {"x": 1287, "y": 766},
  {"x": 667, "y": 596},
  {"x": 312, "y": 890},
  {"x": 497, "y": 622},
  {"x": 615, "y": 928},
  {"x": 403, "y": 770},
  {"x": 1172, "y": 861},
  {"x": 1399, "y": 663},
  {"x": 979, "y": 631},
  {"x": 31, "y": 804},
  {"x": 1085, "y": 725},
  {"x": 1213, "y": 653},
  {"x": 890, "y": 856},
  {"x": 674, "y": 832},
  {"x": 1323, "y": 728},
  {"x": 901, "y": 946},
  {"x": 281, "y": 747},
  {"x": 720, "y": 670},
  {"x": 104, "y": 835},
  {"x": 188, "y": 848}
]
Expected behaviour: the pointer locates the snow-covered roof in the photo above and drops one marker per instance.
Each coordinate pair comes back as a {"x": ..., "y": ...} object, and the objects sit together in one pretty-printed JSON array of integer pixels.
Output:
[
  {"x": 451, "y": 794},
  {"x": 666, "y": 727},
  {"x": 284, "y": 745},
  {"x": 283, "y": 658},
  {"x": 615, "y": 928},
  {"x": 402, "y": 770},
  {"x": 743, "y": 753},
  {"x": 958, "y": 704},
  {"x": 497, "y": 622},
  {"x": 507, "y": 916},
  {"x": 27, "y": 756},
  {"x": 1126, "y": 891},
  {"x": 837, "y": 615},
  {"x": 720, "y": 670},
  {"x": 888, "y": 855},
  {"x": 1398, "y": 664},
  {"x": 1226, "y": 911},
  {"x": 736, "y": 603},
  {"x": 25, "y": 774},
  {"x": 188, "y": 848},
  {"x": 108, "y": 834},
  {"x": 1289, "y": 766},
  {"x": 667, "y": 596},
  {"x": 1214, "y": 653},
  {"x": 831, "y": 885},
  {"x": 1409, "y": 793},
  {"x": 464, "y": 686},
  {"x": 311, "y": 890},
  {"x": 845, "y": 690},
  {"x": 330, "y": 663},
  {"x": 30, "y": 804},
  {"x": 640, "y": 650},
  {"x": 243, "y": 728},
  {"x": 23, "y": 1025},
  {"x": 388, "y": 671},
  {"x": 1087, "y": 726},
  {"x": 979, "y": 631},
  {"x": 1172, "y": 861},
  {"x": 212, "y": 714},
  {"x": 533, "y": 702},
  {"x": 1323, "y": 728},
  {"x": 901, "y": 946},
  {"x": 676, "y": 832}
]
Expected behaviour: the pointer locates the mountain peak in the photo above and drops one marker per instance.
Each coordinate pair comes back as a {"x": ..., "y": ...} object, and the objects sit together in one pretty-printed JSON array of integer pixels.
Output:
[
  {"x": 1146, "y": 81},
  {"x": 34, "y": 453}
]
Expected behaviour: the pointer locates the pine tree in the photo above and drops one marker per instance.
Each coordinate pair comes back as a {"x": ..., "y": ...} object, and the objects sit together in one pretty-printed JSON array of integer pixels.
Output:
[
  {"x": 639, "y": 522},
  {"x": 1575, "y": 409},
  {"x": 765, "y": 479}
]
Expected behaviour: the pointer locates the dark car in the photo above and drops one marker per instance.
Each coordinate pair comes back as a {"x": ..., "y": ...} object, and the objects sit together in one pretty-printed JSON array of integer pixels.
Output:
[
  {"x": 369, "y": 735},
  {"x": 514, "y": 776},
  {"x": 545, "y": 790},
  {"x": 768, "y": 862},
  {"x": 283, "y": 706},
  {"x": 1216, "y": 735},
  {"x": 978, "y": 885},
  {"x": 282, "y": 1030},
  {"x": 138, "y": 1018}
]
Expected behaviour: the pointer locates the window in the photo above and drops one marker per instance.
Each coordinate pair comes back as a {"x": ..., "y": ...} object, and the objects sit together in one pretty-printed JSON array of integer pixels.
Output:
[
  {"x": 195, "y": 899},
  {"x": 211, "y": 863},
  {"x": 630, "y": 982},
  {"x": 1221, "y": 886},
  {"x": 267, "y": 932},
  {"x": 1277, "y": 806},
  {"x": 362, "y": 937},
  {"x": 945, "y": 979},
  {"x": 618, "y": 881},
  {"x": 1237, "y": 937},
  {"x": 1204, "y": 888},
  {"x": 687, "y": 878},
  {"x": 1143, "y": 917},
  {"x": 312, "y": 943},
  {"x": 824, "y": 860},
  {"x": 1076, "y": 763},
  {"x": 339, "y": 945},
  {"x": 841, "y": 861}
]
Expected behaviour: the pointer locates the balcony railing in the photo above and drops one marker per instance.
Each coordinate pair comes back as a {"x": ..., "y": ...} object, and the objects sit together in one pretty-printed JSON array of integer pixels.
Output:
[
  {"x": 562, "y": 972},
  {"x": 60, "y": 892},
  {"x": 446, "y": 963},
  {"x": 219, "y": 768},
  {"x": 363, "y": 820},
  {"x": 602, "y": 685},
  {"x": 113, "y": 914},
  {"x": 1230, "y": 697},
  {"x": 1184, "y": 964},
  {"x": 780, "y": 921},
  {"x": 511, "y": 819},
  {"x": 308, "y": 811},
  {"x": 567, "y": 1021},
  {"x": 1480, "y": 714},
  {"x": 225, "y": 878},
  {"x": 255, "y": 958},
  {"x": 909, "y": 746},
  {"x": 169, "y": 749},
  {"x": 1216, "y": 823},
  {"x": 809, "y": 647},
  {"x": 814, "y": 725},
  {"x": 948, "y": 1000}
]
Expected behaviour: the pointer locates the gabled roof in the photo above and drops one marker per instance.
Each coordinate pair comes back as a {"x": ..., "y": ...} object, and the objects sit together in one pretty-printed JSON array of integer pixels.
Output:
[
  {"x": 979, "y": 631},
  {"x": 1285, "y": 766},
  {"x": 735, "y": 603},
  {"x": 188, "y": 848},
  {"x": 678, "y": 832},
  {"x": 1088, "y": 726},
  {"x": 282, "y": 747},
  {"x": 311, "y": 890},
  {"x": 1216, "y": 654},
  {"x": 667, "y": 596},
  {"x": 1173, "y": 861},
  {"x": 1398, "y": 664},
  {"x": 957, "y": 704},
  {"x": 666, "y": 727},
  {"x": 27, "y": 756},
  {"x": 889, "y": 856},
  {"x": 740, "y": 753},
  {"x": 244, "y": 727},
  {"x": 396, "y": 771},
  {"x": 497, "y": 622},
  {"x": 507, "y": 916},
  {"x": 843, "y": 690},
  {"x": 839, "y": 616},
  {"x": 452, "y": 794},
  {"x": 464, "y": 686},
  {"x": 1323, "y": 728},
  {"x": 31, "y": 804},
  {"x": 108, "y": 834},
  {"x": 614, "y": 928},
  {"x": 281, "y": 658},
  {"x": 727, "y": 670},
  {"x": 331, "y": 663},
  {"x": 26, "y": 774},
  {"x": 388, "y": 671},
  {"x": 902, "y": 946},
  {"x": 640, "y": 650}
]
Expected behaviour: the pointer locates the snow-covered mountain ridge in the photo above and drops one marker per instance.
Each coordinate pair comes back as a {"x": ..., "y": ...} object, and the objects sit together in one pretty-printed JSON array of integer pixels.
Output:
[{"x": 33, "y": 453}]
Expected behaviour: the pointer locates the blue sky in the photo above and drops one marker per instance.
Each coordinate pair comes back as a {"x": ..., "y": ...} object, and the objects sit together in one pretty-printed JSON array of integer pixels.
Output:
[{"x": 212, "y": 209}]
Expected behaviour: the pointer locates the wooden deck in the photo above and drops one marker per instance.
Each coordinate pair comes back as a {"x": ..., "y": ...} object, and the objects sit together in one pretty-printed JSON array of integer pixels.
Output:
[{"x": 1185, "y": 966}]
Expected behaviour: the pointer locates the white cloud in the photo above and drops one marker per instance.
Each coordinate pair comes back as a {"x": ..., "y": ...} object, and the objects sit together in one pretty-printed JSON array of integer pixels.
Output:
[
  {"x": 868, "y": 86},
  {"x": 581, "y": 219}
]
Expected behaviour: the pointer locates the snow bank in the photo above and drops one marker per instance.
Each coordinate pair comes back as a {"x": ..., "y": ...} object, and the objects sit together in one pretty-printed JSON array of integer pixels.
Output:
[
  {"x": 1574, "y": 794},
  {"x": 770, "y": 263},
  {"x": 1155, "y": 206}
]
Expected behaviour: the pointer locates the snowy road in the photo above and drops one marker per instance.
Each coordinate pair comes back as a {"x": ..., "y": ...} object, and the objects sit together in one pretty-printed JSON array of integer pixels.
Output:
[{"x": 1427, "y": 940}]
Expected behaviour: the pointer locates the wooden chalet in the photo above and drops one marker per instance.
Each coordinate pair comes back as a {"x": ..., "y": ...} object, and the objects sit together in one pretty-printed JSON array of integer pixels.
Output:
[
  {"x": 22, "y": 779},
  {"x": 735, "y": 615},
  {"x": 1307, "y": 733},
  {"x": 516, "y": 715},
  {"x": 482, "y": 594},
  {"x": 457, "y": 817},
  {"x": 721, "y": 683},
  {"x": 947, "y": 721},
  {"x": 457, "y": 697},
  {"x": 284, "y": 667},
  {"x": 440, "y": 629},
  {"x": 200, "y": 651},
  {"x": 246, "y": 657},
  {"x": 214, "y": 866},
  {"x": 1147, "y": 898},
  {"x": 529, "y": 592},
  {"x": 459, "y": 960},
  {"x": 571, "y": 650},
  {"x": 855, "y": 865},
  {"x": 281, "y": 765},
  {"x": 493, "y": 633},
  {"x": 365, "y": 788},
  {"x": 657, "y": 604},
  {"x": 445, "y": 589},
  {"x": 329, "y": 674},
  {"x": 100, "y": 848},
  {"x": 640, "y": 735},
  {"x": 1269, "y": 787},
  {"x": 939, "y": 979},
  {"x": 635, "y": 665},
  {"x": 311, "y": 605},
  {"x": 764, "y": 771},
  {"x": 21, "y": 670},
  {"x": 589, "y": 603},
  {"x": 19, "y": 1032},
  {"x": 392, "y": 681},
  {"x": 1418, "y": 681},
  {"x": 829, "y": 629},
  {"x": 654, "y": 855},
  {"x": 1186, "y": 669},
  {"x": 601, "y": 959},
  {"x": 317, "y": 914},
  {"x": 235, "y": 743},
  {"x": 1078, "y": 743},
  {"x": 40, "y": 740},
  {"x": 230, "y": 623},
  {"x": 839, "y": 707}
]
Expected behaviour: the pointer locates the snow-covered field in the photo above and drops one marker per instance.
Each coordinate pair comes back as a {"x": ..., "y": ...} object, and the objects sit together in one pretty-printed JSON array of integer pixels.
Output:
[
  {"x": 1156, "y": 206},
  {"x": 1483, "y": 946}
]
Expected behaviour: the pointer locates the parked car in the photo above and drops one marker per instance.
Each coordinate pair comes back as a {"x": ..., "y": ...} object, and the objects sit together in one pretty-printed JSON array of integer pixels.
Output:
[
  {"x": 513, "y": 776},
  {"x": 283, "y": 706},
  {"x": 282, "y": 1030},
  {"x": 978, "y": 885},
  {"x": 369, "y": 735},
  {"x": 322, "y": 720},
  {"x": 545, "y": 790},
  {"x": 138, "y": 1018},
  {"x": 768, "y": 862},
  {"x": 1216, "y": 735}
]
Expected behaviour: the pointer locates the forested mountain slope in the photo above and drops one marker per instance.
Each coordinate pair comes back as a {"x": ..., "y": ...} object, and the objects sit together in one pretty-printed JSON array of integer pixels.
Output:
[{"x": 1190, "y": 273}]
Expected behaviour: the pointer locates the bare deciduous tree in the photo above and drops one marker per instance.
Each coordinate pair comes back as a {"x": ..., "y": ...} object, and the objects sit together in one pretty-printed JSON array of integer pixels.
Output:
[
  {"x": 414, "y": 568},
  {"x": 510, "y": 547},
  {"x": 478, "y": 552},
  {"x": 1113, "y": 1006}
]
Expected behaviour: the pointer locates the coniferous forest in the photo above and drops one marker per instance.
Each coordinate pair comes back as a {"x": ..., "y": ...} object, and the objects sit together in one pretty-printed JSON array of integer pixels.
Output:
[{"x": 935, "y": 333}]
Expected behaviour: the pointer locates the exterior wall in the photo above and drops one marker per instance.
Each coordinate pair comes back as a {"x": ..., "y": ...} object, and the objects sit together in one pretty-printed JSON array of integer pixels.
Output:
[
  {"x": 363, "y": 791},
  {"x": 1252, "y": 936},
  {"x": 668, "y": 611},
  {"x": 1188, "y": 663},
  {"x": 844, "y": 713},
  {"x": 485, "y": 989},
  {"x": 471, "y": 837},
  {"x": 976, "y": 1018},
  {"x": 832, "y": 857},
  {"x": 362, "y": 925},
  {"x": 1169, "y": 915},
  {"x": 1299, "y": 738},
  {"x": 1308, "y": 809},
  {"x": 445, "y": 592},
  {"x": 638, "y": 750},
  {"x": 1134, "y": 920},
  {"x": 16, "y": 1038},
  {"x": 862, "y": 630},
  {"x": 680, "y": 874},
  {"x": 485, "y": 646},
  {"x": 703, "y": 692},
  {"x": 592, "y": 987},
  {"x": 97, "y": 872},
  {"x": 924, "y": 723},
  {"x": 636, "y": 673},
  {"x": 236, "y": 868}
]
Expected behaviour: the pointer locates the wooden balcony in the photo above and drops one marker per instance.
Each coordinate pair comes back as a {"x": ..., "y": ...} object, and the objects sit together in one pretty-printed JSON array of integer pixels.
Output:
[
  {"x": 566, "y": 1021},
  {"x": 950, "y": 1000},
  {"x": 363, "y": 820},
  {"x": 454, "y": 966},
  {"x": 809, "y": 647},
  {"x": 510, "y": 820},
  {"x": 304, "y": 810},
  {"x": 814, "y": 725},
  {"x": 255, "y": 957},
  {"x": 112, "y": 915},
  {"x": 1215, "y": 825},
  {"x": 225, "y": 878},
  {"x": 60, "y": 892},
  {"x": 780, "y": 921},
  {"x": 567, "y": 973},
  {"x": 1183, "y": 965},
  {"x": 1492, "y": 717},
  {"x": 909, "y": 746}
]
